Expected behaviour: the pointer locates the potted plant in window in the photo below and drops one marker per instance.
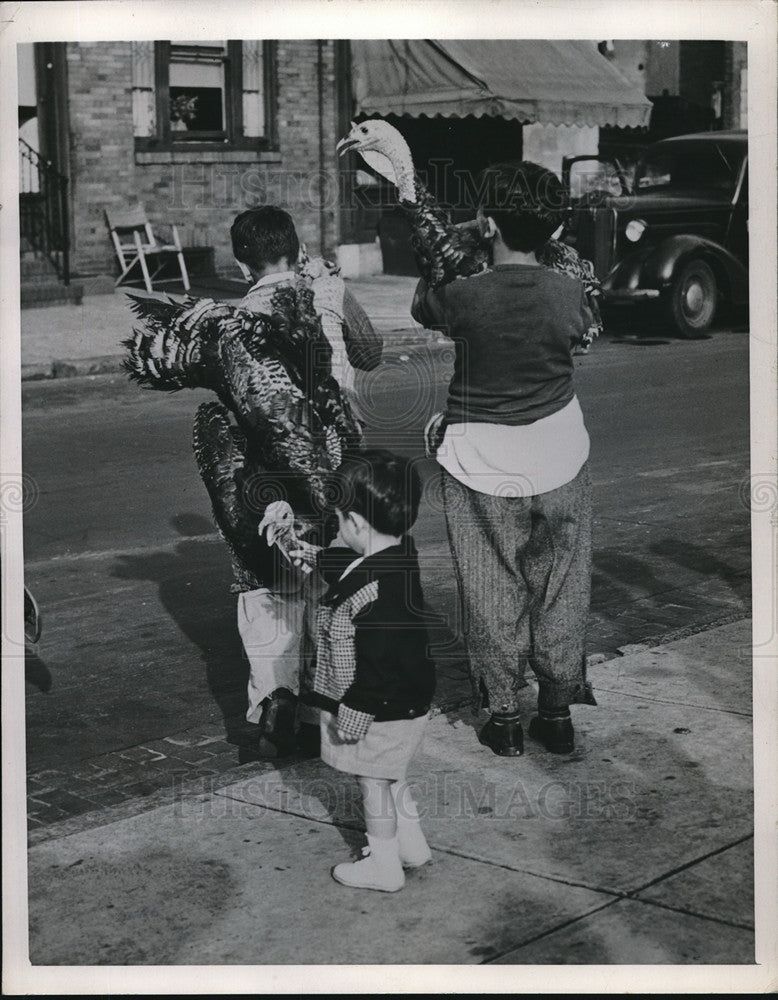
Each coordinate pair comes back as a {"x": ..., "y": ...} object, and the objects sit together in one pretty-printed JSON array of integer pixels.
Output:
[{"x": 183, "y": 110}]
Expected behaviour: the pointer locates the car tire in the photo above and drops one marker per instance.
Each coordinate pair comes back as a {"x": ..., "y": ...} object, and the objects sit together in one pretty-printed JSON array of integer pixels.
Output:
[{"x": 693, "y": 299}]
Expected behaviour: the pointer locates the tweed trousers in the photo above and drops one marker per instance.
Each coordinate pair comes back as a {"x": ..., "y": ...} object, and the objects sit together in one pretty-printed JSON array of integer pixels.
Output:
[{"x": 523, "y": 567}]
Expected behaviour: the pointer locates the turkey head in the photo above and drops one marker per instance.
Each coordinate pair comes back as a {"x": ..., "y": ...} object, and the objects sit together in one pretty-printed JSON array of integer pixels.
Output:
[{"x": 384, "y": 150}]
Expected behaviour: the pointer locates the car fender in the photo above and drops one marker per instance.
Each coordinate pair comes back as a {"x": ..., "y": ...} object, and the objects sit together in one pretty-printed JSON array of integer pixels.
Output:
[{"x": 655, "y": 267}]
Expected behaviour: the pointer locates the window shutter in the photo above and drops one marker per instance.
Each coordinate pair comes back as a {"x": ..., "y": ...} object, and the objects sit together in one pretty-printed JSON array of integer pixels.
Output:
[
  {"x": 253, "y": 89},
  {"x": 144, "y": 113}
]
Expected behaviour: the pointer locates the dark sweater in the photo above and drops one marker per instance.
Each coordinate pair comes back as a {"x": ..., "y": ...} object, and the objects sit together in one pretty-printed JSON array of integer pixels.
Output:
[
  {"x": 372, "y": 636},
  {"x": 514, "y": 327}
]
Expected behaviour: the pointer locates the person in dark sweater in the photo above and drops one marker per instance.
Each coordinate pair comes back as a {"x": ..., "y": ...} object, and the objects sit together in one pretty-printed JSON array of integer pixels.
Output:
[
  {"x": 513, "y": 450},
  {"x": 374, "y": 679}
]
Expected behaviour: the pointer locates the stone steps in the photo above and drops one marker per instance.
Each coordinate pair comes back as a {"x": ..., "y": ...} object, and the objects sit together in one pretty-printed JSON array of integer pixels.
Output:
[
  {"x": 40, "y": 285},
  {"x": 38, "y": 293}
]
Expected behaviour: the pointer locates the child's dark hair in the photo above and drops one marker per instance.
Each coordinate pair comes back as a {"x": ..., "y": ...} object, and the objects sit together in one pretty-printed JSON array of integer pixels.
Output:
[
  {"x": 526, "y": 201},
  {"x": 261, "y": 236},
  {"x": 381, "y": 486}
]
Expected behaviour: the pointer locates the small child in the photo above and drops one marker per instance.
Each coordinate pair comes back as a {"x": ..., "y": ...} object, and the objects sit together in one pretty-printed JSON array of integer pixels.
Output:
[{"x": 374, "y": 679}]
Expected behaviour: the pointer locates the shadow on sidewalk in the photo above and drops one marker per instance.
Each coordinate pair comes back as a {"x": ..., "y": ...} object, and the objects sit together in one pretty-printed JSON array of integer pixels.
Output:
[
  {"x": 193, "y": 584},
  {"x": 194, "y": 588},
  {"x": 693, "y": 557},
  {"x": 36, "y": 672}
]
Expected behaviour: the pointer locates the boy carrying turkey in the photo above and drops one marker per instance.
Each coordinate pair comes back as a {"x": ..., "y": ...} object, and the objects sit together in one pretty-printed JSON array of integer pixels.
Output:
[
  {"x": 513, "y": 450},
  {"x": 275, "y": 613}
]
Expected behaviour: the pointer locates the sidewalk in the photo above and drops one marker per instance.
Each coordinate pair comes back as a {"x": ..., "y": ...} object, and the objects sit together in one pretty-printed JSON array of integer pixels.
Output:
[
  {"x": 65, "y": 340},
  {"x": 635, "y": 849}
]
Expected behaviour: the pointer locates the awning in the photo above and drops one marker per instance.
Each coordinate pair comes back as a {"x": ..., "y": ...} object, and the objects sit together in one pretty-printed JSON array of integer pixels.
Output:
[{"x": 552, "y": 82}]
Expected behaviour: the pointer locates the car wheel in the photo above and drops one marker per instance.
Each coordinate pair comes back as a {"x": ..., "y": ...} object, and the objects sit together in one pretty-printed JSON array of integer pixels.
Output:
[{"x": 693, "y": 298}]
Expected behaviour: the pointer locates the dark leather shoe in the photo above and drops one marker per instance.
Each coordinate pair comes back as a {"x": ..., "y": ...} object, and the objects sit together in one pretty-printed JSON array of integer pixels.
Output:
[
  {"x": 309, "y": 739},
  {"x": 277, "y": 725},
  {"x": 503, "y": 735},
  {"x": 556, "y": 735},
  {"x": 244, "y": 734}
]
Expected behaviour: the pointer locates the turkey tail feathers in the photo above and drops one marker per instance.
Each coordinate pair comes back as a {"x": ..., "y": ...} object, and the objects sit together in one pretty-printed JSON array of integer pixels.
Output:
[
  {"x": 151, "y": 361},
  {"x": 220, "y": 455},
  {"x": 176, "y": 346},
  {"x": 154, "y": 307}
]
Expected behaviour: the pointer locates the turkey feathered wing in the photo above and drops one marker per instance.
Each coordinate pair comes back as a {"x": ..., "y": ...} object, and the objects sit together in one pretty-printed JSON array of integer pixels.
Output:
[
  {"x": 446, "y": 251},
  {"x": 281, "y": 423}
]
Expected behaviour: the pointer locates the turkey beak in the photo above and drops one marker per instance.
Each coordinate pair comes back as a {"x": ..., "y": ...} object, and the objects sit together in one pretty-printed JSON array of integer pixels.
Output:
[{"x": 346, "y": 144}]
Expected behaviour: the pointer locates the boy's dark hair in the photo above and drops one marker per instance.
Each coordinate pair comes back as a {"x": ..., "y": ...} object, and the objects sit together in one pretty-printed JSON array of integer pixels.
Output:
[
  {"x": 381, "y": 486},
  {"x": 261, "y": 236},
  {"x": 526, "y": 202}
]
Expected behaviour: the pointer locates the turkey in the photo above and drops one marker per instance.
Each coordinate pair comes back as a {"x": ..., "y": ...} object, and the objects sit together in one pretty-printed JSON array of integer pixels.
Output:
[
  {"x": 279, "y": 425},
  {"x": 279, "y": 527},
  {"x": 445, "y": 251}
]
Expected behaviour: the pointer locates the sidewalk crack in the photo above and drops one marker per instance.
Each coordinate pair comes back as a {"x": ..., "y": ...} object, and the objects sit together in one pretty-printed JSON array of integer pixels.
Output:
[
  {"x": 668, "y": 701},
  {"x": 688, "y": 864},
  {"x": 694, "y": 913},
  {"x": 551, "y": 930}
]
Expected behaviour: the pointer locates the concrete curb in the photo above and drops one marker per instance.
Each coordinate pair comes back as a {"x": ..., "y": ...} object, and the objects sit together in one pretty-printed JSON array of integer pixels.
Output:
[
  {"x": 105, "y": 365},
  {"x": 198, "y": 786}
]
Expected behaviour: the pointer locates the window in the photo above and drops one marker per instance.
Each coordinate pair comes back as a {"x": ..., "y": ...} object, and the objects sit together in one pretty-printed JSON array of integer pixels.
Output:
[
  {"x": 196, "y": 85},
  {"x": 203, "y": 94},
  {"x": 705, "y": 165}
]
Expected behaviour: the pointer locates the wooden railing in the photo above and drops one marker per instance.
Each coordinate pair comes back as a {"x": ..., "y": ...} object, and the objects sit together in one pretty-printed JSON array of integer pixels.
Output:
[{"x": 43, "y": 209}]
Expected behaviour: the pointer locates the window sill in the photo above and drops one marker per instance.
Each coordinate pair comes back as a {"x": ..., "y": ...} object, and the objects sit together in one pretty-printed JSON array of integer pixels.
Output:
[{"x": 147, "y": 157}]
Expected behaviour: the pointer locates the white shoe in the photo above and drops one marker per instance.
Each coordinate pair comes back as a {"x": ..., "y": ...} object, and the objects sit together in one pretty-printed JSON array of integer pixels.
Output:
[
  {"x": 414, "y": 849},
  {"x": 380, "y": 867}
]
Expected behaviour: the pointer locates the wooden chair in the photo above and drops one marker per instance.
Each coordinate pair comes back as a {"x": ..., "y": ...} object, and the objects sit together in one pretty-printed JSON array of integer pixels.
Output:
[{"x": 136, "y": 245}]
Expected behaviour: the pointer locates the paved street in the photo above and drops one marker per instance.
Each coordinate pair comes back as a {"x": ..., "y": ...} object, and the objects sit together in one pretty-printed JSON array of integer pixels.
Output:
[{"x": 140, "y": 648}]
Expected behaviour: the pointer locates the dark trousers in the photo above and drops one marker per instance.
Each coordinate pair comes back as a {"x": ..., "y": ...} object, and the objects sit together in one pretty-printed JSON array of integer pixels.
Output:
[{"x": 524, "y": 569}]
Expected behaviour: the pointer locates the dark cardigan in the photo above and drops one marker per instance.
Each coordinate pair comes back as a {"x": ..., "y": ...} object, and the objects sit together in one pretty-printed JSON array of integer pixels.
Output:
[{"x": 372, "y": 640}]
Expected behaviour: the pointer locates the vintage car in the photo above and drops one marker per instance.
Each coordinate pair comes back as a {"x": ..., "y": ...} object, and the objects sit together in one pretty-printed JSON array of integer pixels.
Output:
[{"x": 678, "y": 234}]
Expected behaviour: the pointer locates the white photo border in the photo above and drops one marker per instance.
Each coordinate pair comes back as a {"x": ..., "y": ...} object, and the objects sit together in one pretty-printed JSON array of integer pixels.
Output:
[{"x": 103, "y": 20}]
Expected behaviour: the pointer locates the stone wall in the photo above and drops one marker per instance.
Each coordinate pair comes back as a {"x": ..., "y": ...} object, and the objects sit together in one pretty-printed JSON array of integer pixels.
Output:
[{"x": 199, "y": 191}]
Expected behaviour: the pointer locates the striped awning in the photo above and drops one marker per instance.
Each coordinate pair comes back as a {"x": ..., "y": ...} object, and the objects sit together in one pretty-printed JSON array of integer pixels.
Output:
[{"x": 551, "y": 82}]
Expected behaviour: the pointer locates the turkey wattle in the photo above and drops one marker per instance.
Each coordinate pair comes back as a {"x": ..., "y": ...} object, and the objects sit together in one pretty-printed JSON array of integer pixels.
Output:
[{"x": 445, "y": 251}]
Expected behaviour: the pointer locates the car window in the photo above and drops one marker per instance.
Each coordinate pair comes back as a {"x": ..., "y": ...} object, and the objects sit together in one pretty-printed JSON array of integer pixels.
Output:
[
  {"x": 594, "y": 175},
  {"x": 709, "y": 166}
]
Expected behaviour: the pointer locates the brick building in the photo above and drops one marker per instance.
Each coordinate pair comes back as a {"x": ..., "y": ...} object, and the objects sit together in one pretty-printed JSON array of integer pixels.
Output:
[{"x": 194, "y": 132}]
